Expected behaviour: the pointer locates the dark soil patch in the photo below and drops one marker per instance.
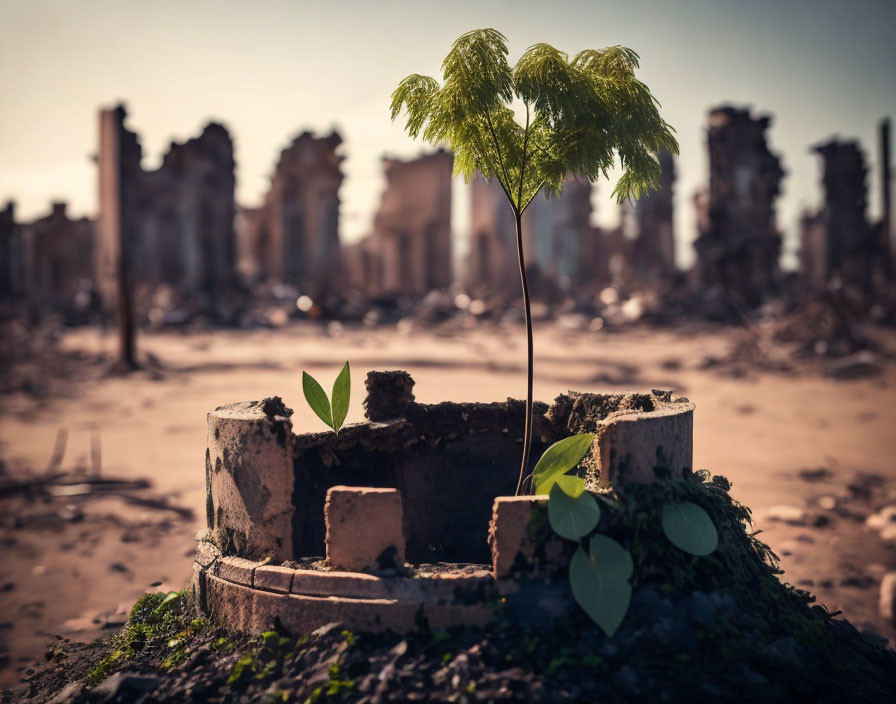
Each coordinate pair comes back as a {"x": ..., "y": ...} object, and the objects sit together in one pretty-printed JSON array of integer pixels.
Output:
[{"x": 719, "y": 628}]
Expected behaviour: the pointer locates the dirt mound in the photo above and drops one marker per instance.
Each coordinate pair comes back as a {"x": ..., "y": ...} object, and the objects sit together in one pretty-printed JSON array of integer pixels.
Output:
[{"x": 718, "y": 628}]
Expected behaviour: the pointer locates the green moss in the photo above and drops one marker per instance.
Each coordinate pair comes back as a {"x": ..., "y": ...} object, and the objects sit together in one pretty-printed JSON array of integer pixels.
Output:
[
  {"x": 741, "y": 565},
  {"x": 158, "y": 622}
]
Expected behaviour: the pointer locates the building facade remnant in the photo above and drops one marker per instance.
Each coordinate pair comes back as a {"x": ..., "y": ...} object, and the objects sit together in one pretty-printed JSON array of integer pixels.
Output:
[
  {"x": 886, "y": 200},
  {"x": 739, "y": 246},
  {"x": 409, "y": 252},
  {"x": 293, "y": 237},
  {"x": 653, "y": 251},
  {"x": 558, "y": 240},
  {"x": 12, "y": 254},
  {"x": 173, "y": 225},
  {"x": 838, "y": 241},
  {"x": 58, "y": 259}
]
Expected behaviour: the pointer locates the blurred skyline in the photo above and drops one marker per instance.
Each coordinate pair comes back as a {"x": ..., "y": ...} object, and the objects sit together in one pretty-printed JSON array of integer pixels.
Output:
[{"x": 271, "y": 68}]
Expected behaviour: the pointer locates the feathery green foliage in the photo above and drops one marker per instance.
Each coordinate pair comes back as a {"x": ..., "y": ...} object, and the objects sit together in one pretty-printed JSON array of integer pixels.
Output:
[{"x": 580, "y": 114}]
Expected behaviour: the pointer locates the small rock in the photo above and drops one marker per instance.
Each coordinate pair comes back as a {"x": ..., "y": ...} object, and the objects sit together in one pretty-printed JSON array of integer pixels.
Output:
[
  {"x": 791, "y": 515},
  {"x": 828, "y": 503},
  {"x": 883, "y": 520},
  {"x": 125, "y": 687},
  {"x": 67, "y": 694}
]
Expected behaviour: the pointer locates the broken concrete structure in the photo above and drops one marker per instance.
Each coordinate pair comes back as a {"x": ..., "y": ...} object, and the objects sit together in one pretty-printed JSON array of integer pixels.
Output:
[
  {"x": 492, "y": 259},
  {"x": 293, "y": 237},
  {"x": 364, "y": 528},
  {"x": 277, "y": 503},
  {"x": 652, "y": 260},
  {"x": 48, "y": 262},
  {"x": 838, "y": 240},
  {"x": 59, "y": 259},
  {"x": 12, "y": 254},
  {"x": 738, "y": 244},
  {"x": 559, "y": 243},
  {"x": 409, "y": 252},
  {"x": 173, "y": 225},
  {"x": 886, "y": 201},
  {"x": 189, "y": 215}
]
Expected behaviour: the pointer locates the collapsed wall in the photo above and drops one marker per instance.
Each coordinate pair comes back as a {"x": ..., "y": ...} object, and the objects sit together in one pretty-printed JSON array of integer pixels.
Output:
[{"x": 266, "y": 486}]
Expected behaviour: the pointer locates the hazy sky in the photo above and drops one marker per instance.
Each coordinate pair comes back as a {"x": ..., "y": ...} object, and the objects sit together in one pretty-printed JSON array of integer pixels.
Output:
[{"x": 270, "y": 68}]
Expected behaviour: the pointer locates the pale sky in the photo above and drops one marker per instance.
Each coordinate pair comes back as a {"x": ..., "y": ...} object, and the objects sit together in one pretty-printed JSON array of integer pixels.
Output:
[{"x": 268, "y": 69}]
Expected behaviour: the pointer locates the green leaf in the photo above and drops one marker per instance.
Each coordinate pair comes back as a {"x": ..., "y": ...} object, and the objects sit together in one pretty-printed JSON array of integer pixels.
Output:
[
  {"x": 689, "y": 527},
  {"x": 571, "y": 484},
  {"x": 599, "y": 581},
  {"x": 341, "y": 393},
  {"x": 166, "y": 603},
  {"x": 316, "y": 398},
  {"x": 558, "y": 459},
  {"x": 572, "y": 518}
]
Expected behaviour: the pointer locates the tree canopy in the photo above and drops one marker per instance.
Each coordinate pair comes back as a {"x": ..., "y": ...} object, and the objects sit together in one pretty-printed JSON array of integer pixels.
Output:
[{"x": 580, "y": 114}]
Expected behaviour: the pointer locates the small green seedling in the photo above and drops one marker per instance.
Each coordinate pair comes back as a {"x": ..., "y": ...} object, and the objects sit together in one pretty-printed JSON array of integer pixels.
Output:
[{"x": 331, "y": 414}]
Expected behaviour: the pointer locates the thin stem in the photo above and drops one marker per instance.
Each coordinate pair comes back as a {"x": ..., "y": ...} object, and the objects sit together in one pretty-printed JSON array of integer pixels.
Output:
[{"x": 527, "y": 433}]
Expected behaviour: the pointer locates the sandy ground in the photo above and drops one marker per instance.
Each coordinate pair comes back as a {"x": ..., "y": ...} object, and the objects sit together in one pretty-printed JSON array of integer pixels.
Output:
[{"x": 73, "y": 567}]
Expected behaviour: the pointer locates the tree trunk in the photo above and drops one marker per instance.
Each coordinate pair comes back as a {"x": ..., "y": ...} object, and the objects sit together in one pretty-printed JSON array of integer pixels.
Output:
[{"x": 527, "y": 433}]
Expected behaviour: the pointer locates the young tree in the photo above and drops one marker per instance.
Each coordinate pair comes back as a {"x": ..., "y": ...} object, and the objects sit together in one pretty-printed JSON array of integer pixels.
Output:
[{"x": 579, "y": 115}]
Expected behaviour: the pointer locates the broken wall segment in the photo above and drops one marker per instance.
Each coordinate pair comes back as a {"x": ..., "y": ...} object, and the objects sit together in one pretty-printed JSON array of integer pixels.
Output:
[
  {"x": 639, "y": 437},
  {"x": 13, "y": 256},
  {"x": 364, "y": 528},
  {"x": 59, "y": 256},
  {"x": 739, "y": 247},
  {"x": 522, "y": 542},
  {"x": 409, "y": 252},
  {"x": 838, "y": 241},
  {"x": 562, "y": 248},
  {"x": 432, "y": 456},
  {"x": 249, "y": 479},
  {"x": 653, "y": 251},
  {"x": 293, "y": 236},
  {"x": 173, "y": 225}
]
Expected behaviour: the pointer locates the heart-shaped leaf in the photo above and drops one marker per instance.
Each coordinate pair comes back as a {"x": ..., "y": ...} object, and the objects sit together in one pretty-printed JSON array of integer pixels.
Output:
[
  {"x": 689, "y": 527},
  {"x": 571, "y": 484},
  {"x": 341, "y": 393},
  {"x": 558, "y": 459},
  {"x": 316, "y": 398},
  {"x": 599, "y": 581},
  {"x": 572, "y": 518}
]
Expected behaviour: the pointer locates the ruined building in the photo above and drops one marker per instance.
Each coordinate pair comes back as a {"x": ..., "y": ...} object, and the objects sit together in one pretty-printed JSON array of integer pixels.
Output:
[
  {"x": 12, "y": 254},
  {"x": 174, "y": 225},
  {"x": 738, "y": 244},
  {"x": 58, "y": 259},
  {"x": 293, "y": 237},
  {"x": 492, "y": 259},
  {"x": 559, "y": 243},
  {"x": 48, "y": 261},
  {"x": 653, "y": 251},
  {"x": 409, "y": 251},
  {"x": 838, "y": 240}
]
